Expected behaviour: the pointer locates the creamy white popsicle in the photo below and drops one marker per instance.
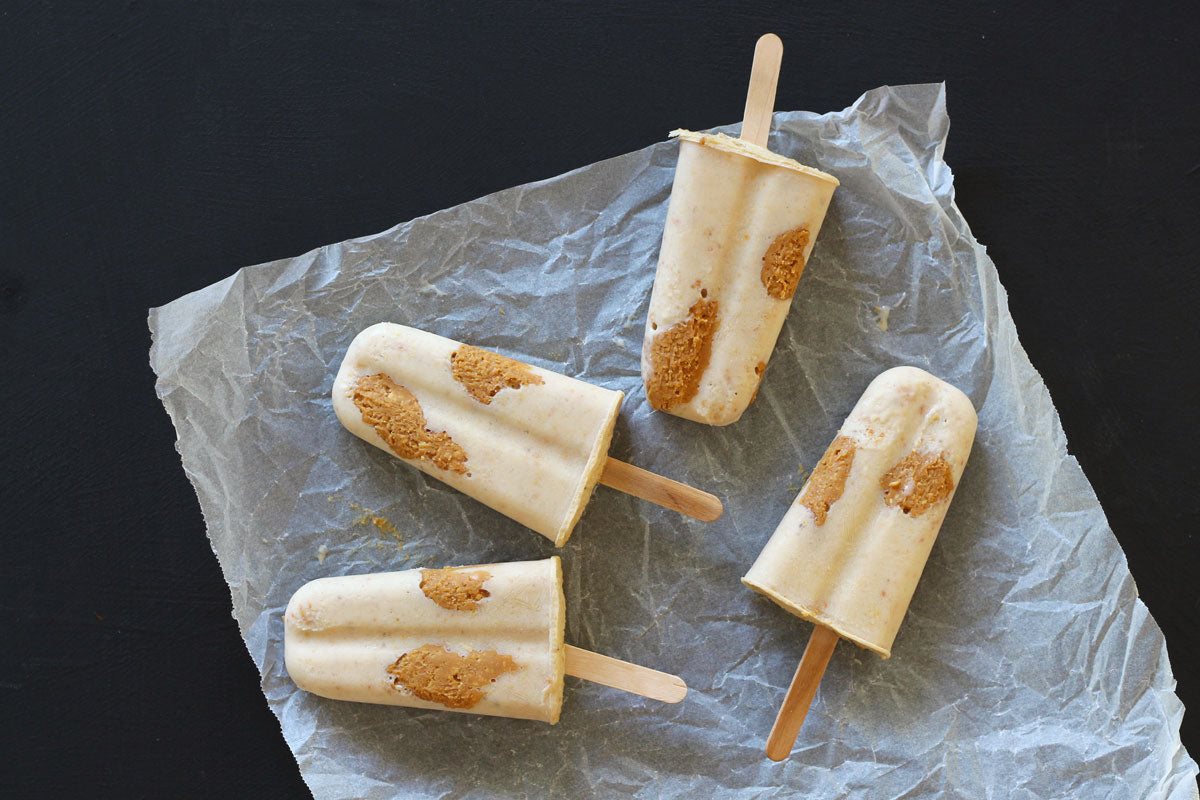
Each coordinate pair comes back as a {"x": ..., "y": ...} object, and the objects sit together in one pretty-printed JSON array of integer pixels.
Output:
[
  {"x": 852, "y": 546},
  {"x": 483, "y": 640},
  {"x": 740, "y": 228},
  {"x": 526, "y": 441}
]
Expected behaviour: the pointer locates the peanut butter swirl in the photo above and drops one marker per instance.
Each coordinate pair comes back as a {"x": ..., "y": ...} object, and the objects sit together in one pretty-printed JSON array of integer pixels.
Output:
[
  {"x": 396, "y": 416},
  {"x": 484, "y": 373},
  {"x": 918, "y": 483},
  {"x": 436, "y": 675},
  {"x": 783, "y": 263},
  {"x": 455, "y": 589},
  {"x": 828, "y": 479},
  {"x": 679, "y": 356}
]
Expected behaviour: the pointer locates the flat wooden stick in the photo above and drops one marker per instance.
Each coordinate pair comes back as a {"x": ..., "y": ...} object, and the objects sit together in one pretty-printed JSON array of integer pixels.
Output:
[
  {"x": 801, "y": 692},
  {"x": 625, "y": 676},
  {"x": 662, "y": 491},
  {"x": 760, "y": 97}
]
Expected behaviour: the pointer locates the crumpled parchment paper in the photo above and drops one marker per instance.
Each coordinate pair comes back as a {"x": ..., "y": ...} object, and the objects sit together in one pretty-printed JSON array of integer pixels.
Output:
[{"x": 1027, "y": 666}]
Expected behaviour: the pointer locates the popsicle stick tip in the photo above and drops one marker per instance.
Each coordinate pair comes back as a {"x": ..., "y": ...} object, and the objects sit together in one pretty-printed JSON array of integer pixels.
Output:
[
  {"x": 777, "y": 752},
  {"x": 769, "y": 40},
  {"x": 711, "y": 508},
  {"x": 674, "y": 690},
  {"x": 622, "y": 675},
  {"x": 801, "y": 693},
  {"x": 760, "y": 96},
  {"x": 662, "y": 491}
]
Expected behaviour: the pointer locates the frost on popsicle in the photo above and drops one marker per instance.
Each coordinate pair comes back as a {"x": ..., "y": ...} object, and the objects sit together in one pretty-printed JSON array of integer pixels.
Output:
[
  {"x": 455, "y": 589},
  {"x": 436, "y": 675},
  {"x": 396, "y": 416},
  {"x": 484, "y": 373},
  {"x": 680, "y": 355},
  {"x": 783, "y": 263}
]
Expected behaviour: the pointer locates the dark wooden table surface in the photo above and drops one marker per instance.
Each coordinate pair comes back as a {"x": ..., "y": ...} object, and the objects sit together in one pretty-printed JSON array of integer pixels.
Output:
[{"x": 149, "y": 149}]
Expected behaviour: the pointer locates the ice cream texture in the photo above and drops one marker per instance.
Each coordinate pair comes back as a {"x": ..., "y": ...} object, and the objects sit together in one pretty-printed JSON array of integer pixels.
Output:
[
  {"x": 483, "y": 639},
  {"x": 850, "y": 549},
  {"x": 526, "y": 441},
  {"x": 741, "y": 225}
]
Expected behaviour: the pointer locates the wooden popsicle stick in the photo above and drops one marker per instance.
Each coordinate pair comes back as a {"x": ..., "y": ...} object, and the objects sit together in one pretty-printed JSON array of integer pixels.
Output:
[
  {"x": 801, "y": 692},
  {"x": 661, "y": 491},
  {"x": 625, "y": 676},
  {"x": 760, "y": 97}
]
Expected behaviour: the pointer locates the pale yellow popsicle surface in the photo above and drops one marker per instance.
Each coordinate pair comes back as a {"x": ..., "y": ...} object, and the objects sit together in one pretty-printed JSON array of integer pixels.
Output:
[
  {"x": 525, "y": 441},
  {"x": 852, "y": 546},
  {"x": 740, "y": 227},
  {"x": 494, "y": 632}
]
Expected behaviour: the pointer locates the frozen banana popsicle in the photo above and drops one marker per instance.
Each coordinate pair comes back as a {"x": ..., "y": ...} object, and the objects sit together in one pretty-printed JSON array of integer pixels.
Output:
[
  {"x": 485, "y": 639},
  {"x": 851, "y": 548},
  {"x": 740, "y": 228},
  {"x": 528, "y": 442}
]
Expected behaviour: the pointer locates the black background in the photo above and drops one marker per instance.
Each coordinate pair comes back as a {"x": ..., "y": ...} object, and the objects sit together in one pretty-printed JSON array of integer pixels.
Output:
[{"x": 147, "y": 150}]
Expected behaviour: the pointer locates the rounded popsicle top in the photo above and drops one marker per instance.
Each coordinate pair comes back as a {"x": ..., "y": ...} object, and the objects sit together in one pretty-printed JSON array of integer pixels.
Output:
[
  {"x": 947, "y": 416},
  {"x": 852, "y": 546},
  {"x": 741, "y": 147},
  {"x": 739, "y": 233},
  {"x": 526, "y": 441},
  {"x": 485, "y": 639}
]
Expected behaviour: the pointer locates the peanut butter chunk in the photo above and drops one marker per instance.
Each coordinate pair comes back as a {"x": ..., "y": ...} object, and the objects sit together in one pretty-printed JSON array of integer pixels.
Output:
[
  {"x": 436, "y": 675},
  {"x": 783, "y": 263},
  {"x": 484, "y": 373},
  {"x": 305, "y": 617},
  {"x": 396, "y": 416},
  {"x": 918, "y": 483},
  {"x": 455, "y": 589},
  {"x": 679, "y": 356},
  {"x": 759, "y": 369},
  {"x": 828, "y": 479}
]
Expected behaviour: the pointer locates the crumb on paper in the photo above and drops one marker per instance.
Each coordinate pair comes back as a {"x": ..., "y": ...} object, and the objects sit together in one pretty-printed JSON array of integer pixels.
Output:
[
  {"x": 501, "y": 310},
  {"x": 429, "y": 287},
  {"x": 322, "y": 552},
  {"x": 881, "y": 317},
  {"x": 383, "y": 523},
  {"x": 385, "y": 526}
]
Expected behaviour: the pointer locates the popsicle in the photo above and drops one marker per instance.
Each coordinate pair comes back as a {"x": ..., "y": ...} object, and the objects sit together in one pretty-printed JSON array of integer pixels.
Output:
[
  {"x": 528, "y": 442},
  {"x": 851, "y": 548},
  {"x": 485, "y": 639},
  {"x": 741, "y": 225}
]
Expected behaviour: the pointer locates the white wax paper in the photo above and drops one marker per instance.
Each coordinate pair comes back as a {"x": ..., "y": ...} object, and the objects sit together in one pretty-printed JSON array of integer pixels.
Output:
[{"x": 1026, "y": 668}]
